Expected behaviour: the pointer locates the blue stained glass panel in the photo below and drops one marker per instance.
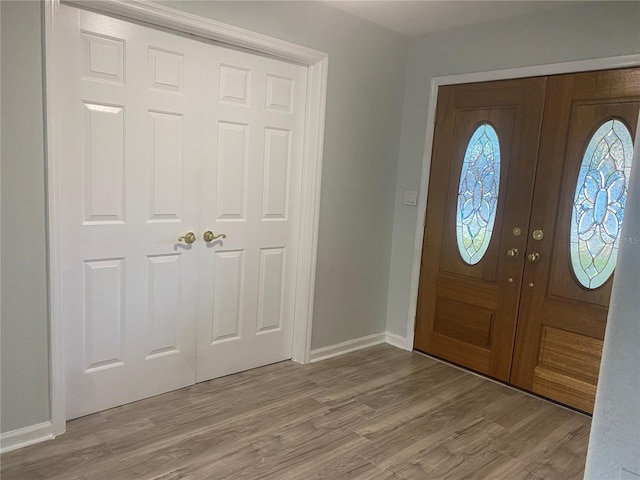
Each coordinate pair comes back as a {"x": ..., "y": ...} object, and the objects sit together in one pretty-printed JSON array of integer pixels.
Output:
[
  {"x": 599, "y": 203},
  {"x": 478, "y": 194}
]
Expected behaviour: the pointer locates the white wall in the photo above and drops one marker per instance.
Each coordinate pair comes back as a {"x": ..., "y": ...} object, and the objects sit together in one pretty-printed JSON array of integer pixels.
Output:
[
  {"x": 614, "y": 444},
  {"x": 25, "y": 368},
  {"x": 364, "y": 106},
  {"x": 365, "y": 92},
  {"x": 584, "y": 31}
]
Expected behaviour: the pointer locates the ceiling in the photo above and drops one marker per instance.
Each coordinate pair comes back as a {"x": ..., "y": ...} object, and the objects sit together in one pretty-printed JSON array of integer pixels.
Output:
[{"x": 418, "y": 17}]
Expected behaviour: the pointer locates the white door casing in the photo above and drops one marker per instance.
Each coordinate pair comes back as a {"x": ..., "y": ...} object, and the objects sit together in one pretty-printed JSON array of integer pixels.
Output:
[{"x": 163, "y": 135}]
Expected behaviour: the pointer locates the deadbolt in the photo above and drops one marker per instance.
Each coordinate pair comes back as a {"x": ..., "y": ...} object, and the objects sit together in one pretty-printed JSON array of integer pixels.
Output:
[
  {"x": 517, "y": 232},
  {"x": 537, "y": 234},
  {"x": 512, "y": 253},
  {"x": 533, "y": 257}
]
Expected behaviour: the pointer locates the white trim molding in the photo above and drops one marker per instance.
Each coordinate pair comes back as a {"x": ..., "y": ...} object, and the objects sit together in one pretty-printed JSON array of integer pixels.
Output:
[
  {"x": 356, "y": 344},
  {"x": 23, "y": 437},
  {"x": 183, "y": 22},
  {"x": 397, "y": 341},
  {"x": 436, "y": 82},
  {"x": 349, "y": 346}
]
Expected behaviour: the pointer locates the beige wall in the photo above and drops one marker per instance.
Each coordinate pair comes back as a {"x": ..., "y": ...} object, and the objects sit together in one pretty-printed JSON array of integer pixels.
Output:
[{"x": 25, "y": 367}]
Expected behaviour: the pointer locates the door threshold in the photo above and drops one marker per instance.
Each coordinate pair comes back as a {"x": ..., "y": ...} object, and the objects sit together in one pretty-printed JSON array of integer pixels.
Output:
[{"x": 504, "y": 384}]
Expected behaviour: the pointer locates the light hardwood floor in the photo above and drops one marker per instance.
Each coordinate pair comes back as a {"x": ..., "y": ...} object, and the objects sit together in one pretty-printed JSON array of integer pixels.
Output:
[{"x": 376, "y": 414}]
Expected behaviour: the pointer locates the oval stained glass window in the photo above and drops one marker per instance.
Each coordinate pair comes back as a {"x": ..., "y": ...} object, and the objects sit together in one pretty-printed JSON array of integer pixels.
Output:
[
  {"x": 599, "y": 203},
  {"x": 478, "y": 194}
]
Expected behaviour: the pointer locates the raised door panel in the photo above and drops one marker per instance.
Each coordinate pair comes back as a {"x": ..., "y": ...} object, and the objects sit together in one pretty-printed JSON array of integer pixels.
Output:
[
  {"x": 166, "y": 70},
  {"x": 104, "y": 287},
  {"x": 562, "y": 321},
  {"x": 235, "y": 85},
  {"x": 164, "y": 304},
  {"x": 271, "y": 289},
  {"x": 103, "y": 58},
  {"x": 275, "y": 185},
  {"x": 166, "y": 166},
  {"x": 228, "y": 287},
  {"x": 104, "y": 163},
  {"x": 231, "y": 158}
]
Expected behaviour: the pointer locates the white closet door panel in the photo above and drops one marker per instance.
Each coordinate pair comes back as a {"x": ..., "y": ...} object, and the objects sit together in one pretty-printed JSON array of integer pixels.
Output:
[
  {"x": 227, "y": 315},
  {"x": 130, "y": 188},
  {"x": 104, "y": 158},
  {"x": 253, "y": 129},
  {"x": 164, "y": 135}
]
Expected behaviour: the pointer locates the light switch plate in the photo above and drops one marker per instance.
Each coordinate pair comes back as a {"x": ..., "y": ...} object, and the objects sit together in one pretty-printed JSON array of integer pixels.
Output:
[{"x": 411, "y": 198}]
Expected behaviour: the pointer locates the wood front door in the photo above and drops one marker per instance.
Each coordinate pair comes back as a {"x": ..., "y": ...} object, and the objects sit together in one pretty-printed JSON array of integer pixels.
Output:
[
  {"x": 467, "y": 307},
  {"x": 562, "y": 321},
  {"x": 525, "y": 278}
]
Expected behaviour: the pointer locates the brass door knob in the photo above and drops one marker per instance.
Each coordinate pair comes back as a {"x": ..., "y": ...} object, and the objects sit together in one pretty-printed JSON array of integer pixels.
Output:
[
  {"x": 188, "y": 238},
  {"x": 512, "y": 253},
  {"x": 210, "y": 237},
  {"x": 533, "y": 257}
]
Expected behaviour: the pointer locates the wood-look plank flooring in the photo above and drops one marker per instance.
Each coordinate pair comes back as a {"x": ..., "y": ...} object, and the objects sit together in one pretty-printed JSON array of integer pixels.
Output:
[{"x": 377, "y": 414}]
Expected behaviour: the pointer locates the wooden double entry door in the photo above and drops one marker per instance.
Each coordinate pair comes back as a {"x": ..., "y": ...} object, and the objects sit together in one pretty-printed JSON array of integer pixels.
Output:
[{"x": 526, "y": 201}]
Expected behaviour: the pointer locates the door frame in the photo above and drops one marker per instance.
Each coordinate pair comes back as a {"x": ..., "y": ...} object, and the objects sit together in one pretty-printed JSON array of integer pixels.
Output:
[
  {"x": 436, "y": 82},
  {"x": 182, "y": 22}
]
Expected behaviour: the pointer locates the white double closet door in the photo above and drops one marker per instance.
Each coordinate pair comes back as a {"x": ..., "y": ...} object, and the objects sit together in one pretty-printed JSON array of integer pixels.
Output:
[{"x": 164, "y": 135}]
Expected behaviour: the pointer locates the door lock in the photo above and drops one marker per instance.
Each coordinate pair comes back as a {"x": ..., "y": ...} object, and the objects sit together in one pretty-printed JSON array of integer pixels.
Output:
[
  {"x": 533, "y": 257},
  {"x": 538, "y": 234},
  {"x": 512, "y": 253}
]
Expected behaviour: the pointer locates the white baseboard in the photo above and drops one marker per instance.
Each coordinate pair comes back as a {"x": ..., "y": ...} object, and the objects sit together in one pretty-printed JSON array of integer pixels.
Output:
[
  {"x": 349, "y": 346},
  {"x": 23, "y": 437},
  {"x": 346, "y": 347},
  {"x": 397, "y": 341}
]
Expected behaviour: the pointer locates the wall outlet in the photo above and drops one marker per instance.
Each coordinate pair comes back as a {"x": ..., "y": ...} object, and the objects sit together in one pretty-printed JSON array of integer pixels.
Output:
[{"x": 411, "y": 198}]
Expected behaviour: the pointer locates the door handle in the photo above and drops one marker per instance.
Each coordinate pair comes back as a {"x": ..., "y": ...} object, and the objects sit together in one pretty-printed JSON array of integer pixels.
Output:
[
  {"x": 512, "y": 253},
  {"x": 533, "y": 257},
  {"x": 210, "y": 237},
  {"x": 188, "y": 238}
]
